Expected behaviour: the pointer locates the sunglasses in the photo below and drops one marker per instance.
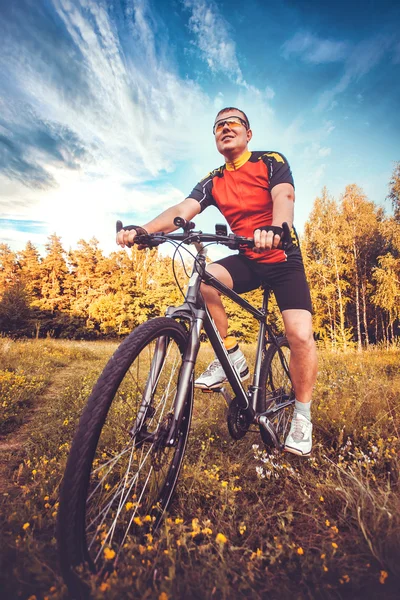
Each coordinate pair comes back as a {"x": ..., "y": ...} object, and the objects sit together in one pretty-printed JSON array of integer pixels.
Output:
[{"x": 231, "y": 122}]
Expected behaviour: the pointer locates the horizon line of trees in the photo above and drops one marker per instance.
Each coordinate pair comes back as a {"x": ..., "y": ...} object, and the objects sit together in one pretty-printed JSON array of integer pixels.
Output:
[{"x": 351, "y": 251}]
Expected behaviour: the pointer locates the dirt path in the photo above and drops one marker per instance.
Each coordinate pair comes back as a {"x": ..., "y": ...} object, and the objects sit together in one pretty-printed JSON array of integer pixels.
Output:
[{"x": 12, "y": 444}]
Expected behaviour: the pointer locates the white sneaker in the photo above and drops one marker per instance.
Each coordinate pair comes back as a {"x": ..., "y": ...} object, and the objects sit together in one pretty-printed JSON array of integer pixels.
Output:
[
  {"x": 299, "y": 439},
  {"x": 214, "y": 376}
]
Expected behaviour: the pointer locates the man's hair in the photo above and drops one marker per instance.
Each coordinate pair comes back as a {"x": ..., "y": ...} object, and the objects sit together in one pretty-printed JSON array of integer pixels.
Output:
[{"x": 229, "y": 108}]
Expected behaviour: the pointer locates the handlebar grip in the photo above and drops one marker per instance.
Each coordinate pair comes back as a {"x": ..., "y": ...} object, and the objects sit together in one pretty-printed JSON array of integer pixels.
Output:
[
  {"x": 286, "y": 235},
  {"x": 119, "y": 226},
  {"x": 180, "y": 222},
  {"x": 186, "y": 225}
]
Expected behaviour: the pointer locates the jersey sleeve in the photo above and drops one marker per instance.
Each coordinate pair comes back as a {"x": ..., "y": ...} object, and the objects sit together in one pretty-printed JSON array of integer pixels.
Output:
[
  {"x": 278, "y": 169},
  {"x": 202, "y": 192}
]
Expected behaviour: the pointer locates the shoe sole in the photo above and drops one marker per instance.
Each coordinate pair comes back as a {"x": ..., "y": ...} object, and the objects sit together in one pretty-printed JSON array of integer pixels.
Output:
[
  {"x": 295, "y": 451},
  {"x": 203, "y": 386}
]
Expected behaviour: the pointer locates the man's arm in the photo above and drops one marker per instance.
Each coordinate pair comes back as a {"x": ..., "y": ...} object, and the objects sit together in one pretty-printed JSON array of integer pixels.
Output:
[
  {"x": 187, "y": 209},
  {"x": 282, "y": 196}
]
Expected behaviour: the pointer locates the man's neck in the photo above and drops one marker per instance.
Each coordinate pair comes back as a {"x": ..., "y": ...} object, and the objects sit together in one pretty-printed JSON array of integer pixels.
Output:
[{"x": 239, "y": 159}]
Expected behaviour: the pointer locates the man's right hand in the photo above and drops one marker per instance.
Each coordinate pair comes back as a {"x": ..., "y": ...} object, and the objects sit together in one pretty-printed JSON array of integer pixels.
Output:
[{"x": 125, "y": 238}]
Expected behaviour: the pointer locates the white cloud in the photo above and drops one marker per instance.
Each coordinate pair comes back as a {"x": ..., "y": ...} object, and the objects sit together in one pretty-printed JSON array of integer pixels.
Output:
[
  {"x": 313, "y": 49},
  {"x": 213, "y": 38},
  {"x": 324, "y": 152},
  {"x": 360, "y": 61},
  {"x": 269, "y": 93}
]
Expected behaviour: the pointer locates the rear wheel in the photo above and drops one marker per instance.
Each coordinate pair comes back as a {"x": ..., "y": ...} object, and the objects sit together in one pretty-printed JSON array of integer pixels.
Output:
[
  {"x": 277, "y": 397},
  {"x": 120, "y": 472}
]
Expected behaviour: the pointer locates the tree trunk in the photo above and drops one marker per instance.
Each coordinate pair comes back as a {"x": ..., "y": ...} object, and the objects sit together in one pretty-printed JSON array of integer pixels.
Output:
[
  {"x": 341, "y": 309},
  {"x": 364, "y": 303}
]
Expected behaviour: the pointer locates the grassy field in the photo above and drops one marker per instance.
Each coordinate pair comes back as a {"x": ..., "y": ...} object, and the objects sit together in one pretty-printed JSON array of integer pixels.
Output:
[{"x": 243, "y": 524}]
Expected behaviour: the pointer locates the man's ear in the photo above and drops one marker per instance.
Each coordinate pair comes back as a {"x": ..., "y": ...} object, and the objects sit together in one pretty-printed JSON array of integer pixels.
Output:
[{"x": 249, "y": 134}]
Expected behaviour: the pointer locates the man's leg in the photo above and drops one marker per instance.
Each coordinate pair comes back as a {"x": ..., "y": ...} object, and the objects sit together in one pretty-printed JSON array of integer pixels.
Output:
[
  {"x": 303, "y": 371},
  {"x": 214, "y": 376},
  {"x": 213, "y": 298},
  {"x": 303, "y": 354}
]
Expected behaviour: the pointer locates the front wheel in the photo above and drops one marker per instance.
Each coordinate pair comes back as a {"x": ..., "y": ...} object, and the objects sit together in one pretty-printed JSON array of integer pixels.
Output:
[
  {"x": 276, "y": 400},
  {"x": 120, "y": 472}
]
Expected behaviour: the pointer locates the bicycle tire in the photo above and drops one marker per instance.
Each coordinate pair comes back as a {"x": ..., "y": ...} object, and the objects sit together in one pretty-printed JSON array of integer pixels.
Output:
[
  {"x": 92, "y": 492},
  {"x": 276, "y": 400}
]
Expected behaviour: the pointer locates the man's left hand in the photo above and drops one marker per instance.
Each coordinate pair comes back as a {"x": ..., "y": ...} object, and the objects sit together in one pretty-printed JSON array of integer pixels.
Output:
[{"x": 267, "y": 238}]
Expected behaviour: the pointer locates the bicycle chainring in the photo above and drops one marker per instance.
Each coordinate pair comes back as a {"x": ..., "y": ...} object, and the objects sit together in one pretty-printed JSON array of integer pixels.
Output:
[{"x": 237, "y": 422}]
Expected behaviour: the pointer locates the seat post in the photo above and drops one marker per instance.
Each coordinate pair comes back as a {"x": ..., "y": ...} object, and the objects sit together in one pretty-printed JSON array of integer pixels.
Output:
[{"x": 266, "y": 295}]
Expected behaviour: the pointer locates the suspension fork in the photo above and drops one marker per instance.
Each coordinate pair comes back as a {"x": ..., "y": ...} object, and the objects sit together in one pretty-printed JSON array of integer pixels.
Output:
[
  {"x": 185, "y": 383},
  {"x": 157, "y": 362}
]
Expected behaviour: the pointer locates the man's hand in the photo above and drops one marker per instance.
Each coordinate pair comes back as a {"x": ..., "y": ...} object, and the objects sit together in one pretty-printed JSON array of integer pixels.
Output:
[
  {"x": 267, "y": 238},
  {"x": 125, "y": 238}
]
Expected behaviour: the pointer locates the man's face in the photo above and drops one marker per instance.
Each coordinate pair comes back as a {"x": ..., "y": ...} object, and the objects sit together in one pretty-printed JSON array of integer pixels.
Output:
[{"x": 232, "y": 141}]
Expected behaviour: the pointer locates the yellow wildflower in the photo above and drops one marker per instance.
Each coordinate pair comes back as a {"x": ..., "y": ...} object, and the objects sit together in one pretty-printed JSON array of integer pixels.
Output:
[
  {"x": 207, "y": 531},
  {"x": 224, "y": 484},
  {"x": 138, "y": 521},
  {"x": 163, "y": 596},
  {"x": 334, "y": 545},
  {"x": 220, "y": 538},
  {"x": 300, "y": 550},
  {"x": 383, "y": 576},
  {"x": 147, "y": 519},
  {"x": 109, "y": 554},
  {"x": 104, "y": 586},
  {"x": 327, "y": 523},
  {"x": 178, "y": 521},
  {"x": 26, "y": 526},
  {"x": 242, "y": 528},
  {"x": 321, "y": 499},
  {"x": 128, "y": 505}
]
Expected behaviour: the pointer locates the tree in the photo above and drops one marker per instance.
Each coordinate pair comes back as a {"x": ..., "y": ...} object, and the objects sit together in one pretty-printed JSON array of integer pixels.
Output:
[
  {"x": 361, "y": 237},
  {"x": 30, "y": 270},
  {"x": 387, "y": 294},
  {"x": 15, "y": 312},
  {"x": 327, "y": 267},
  {"x": 394, "y": 191},
  {"x": 86, "y": 277},
  {"x": 8, "y": 267},
  {"x": 54, "y": 276}
]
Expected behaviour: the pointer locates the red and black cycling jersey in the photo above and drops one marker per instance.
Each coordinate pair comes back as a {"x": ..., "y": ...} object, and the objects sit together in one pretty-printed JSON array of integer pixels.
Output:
[{"x": 242, "y": 192}]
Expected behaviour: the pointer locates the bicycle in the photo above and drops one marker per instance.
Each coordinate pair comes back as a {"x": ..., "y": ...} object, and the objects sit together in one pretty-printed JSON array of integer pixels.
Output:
[{"x": 128, "y": 449}]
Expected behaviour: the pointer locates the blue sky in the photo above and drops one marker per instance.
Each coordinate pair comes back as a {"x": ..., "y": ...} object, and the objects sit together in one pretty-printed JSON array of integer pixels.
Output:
[{"x": 106, "y": 108}]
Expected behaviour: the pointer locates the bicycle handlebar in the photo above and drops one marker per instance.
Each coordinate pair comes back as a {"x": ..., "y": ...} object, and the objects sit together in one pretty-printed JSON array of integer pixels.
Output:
[{"x": 232, "y": 241}]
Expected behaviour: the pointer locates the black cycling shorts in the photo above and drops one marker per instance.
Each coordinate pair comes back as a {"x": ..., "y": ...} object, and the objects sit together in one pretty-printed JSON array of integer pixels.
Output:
[{"x": 286, "y": 279}]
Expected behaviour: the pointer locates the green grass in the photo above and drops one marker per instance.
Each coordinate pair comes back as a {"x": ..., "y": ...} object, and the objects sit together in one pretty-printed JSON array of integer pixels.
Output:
[{"x": 243, "y": 524}]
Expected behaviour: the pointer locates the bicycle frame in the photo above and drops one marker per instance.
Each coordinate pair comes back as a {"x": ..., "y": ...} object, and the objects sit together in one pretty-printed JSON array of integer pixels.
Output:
[{"x": 195, "y": 313}]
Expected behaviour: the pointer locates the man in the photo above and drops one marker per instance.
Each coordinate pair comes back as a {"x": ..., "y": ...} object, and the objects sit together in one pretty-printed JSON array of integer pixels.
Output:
[{"x": 255, "y": 193}]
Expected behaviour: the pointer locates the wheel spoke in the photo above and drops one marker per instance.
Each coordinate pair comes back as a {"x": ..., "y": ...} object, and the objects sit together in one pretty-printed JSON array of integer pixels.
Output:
[{"x": 127, "y": 421}]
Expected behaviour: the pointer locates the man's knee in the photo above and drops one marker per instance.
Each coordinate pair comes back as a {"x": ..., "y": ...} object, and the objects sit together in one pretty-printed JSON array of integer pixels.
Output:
[
  {"x": 300, "y": 338},
  {"x": 220, "y": 273},
  {"x": 209, "y": 293},
  {"x": 298, "y": 329}
]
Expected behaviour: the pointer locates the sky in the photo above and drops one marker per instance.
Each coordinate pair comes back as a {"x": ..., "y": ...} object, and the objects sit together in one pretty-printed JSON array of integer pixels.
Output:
[{"x": 107, "y": 107}]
